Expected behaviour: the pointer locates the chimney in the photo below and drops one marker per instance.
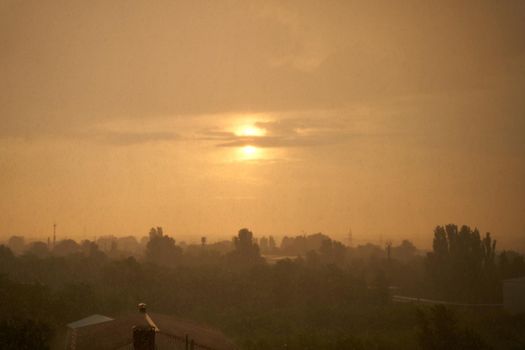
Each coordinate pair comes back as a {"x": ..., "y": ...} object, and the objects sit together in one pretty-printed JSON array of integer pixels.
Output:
[
  {"x": 142, "y": 308},
  {"x": 144, "y": 333}
]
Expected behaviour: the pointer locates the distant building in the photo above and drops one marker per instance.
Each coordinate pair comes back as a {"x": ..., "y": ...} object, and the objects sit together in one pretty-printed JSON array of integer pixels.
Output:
[
  {"x": 104, "y": 333},
  {"x": 514, "y": 295}
]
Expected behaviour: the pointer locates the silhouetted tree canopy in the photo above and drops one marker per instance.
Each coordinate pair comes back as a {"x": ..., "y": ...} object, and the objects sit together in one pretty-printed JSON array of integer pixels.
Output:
[
  {"x": 439, "y": 330},
  {"x": 66, "y": 247},
  {"x": 24, "y": 334},
  {"x": 16, "y": 244},
  {"x": 331, "y": 297},
  {"x": 246, "y": 251},
  {"x": 161, "y": 249},
  {"x": 462, "y": 264},
  {"x": 39, "y": 249}
]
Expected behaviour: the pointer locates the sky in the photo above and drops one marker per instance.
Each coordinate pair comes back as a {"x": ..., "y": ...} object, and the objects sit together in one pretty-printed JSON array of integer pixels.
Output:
[{"x": 287, "y": 117}]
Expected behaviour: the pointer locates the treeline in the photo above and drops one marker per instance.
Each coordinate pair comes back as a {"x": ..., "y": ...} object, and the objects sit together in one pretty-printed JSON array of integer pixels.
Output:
[
  {"x": 330, "y": 296},
  {"x": 122, "y": 247}
]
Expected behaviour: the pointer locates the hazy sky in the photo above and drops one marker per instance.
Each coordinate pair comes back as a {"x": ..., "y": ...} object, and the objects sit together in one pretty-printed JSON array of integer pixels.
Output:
[{"x": 203, "y": 117}]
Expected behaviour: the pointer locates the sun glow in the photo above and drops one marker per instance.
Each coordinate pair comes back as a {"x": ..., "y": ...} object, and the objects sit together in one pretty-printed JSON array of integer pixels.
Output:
[
  {"x": 249, "y": 151},
  {"x": 250, "y": 130}
]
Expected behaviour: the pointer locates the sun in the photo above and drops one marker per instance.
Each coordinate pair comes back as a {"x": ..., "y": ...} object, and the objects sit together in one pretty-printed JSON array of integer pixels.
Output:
[
  {"x": 249, "y": 151},
  {"x": 248, "y": 134}
]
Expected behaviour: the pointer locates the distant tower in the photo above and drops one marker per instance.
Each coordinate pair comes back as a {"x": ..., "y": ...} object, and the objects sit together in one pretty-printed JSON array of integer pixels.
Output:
[
  {"x": 350, "y": 237},
  {"x": 54, "y": 235}
]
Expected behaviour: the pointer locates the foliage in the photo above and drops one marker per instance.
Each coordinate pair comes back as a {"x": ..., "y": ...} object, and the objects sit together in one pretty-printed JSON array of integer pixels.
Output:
[
  {"x": 16, "y": 244},
  {"x": 301, "y": 245},
  {"x": 246, "y": 250},
  {"x": 39, "y": 249},
  {"x": 439, "y": 330},
  {"x": 331, "y": 297},
  {"x": 24, "y": 334},
  {"x": 462, "y": 265},
  {"x": 66, "y": 247},
  {"x": 161, "y": 249}
]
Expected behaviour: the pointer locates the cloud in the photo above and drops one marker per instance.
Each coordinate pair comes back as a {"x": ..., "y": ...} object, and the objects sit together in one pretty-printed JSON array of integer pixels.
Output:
[
  {"x": 269, "y": 142},
  {"x": 94, "y": 62},
  {"x": 284, "y": 133},
  {"x": 131, "y": 138}
]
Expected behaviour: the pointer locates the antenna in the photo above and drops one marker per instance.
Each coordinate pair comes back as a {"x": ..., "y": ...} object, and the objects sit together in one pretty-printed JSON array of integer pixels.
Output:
[{"x": 54, "y": 234}]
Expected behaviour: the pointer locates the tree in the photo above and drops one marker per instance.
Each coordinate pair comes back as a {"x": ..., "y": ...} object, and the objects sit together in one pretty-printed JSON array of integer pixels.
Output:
[
  {"x": 405, "y": 251},
  {"x": 246, "y": 250},
  {"x": 301, "y": 245},
  {"x": 128, "y": 244},
  {"x": 39, "y": 249},
  {"x": 105, "y": 243},
  {"x": 66, "y": 247},
  {"x": 16, "y": 244},
  {"x": 462, "y": 265},
  {"x": 439, "y": 330},
  {"x": 511, "y": 264},
  {"x": 332, "y": 252},
  {"x": 161, "y": 249},
  {"x": 380, "y": 287},
  {"x": 24, "y": 334},
  {"x": 7, "y": 258},
  {"x": 272, "y": 247},
  {"x": 90, "y": 249},
  {"x": 264, "y": 245}
]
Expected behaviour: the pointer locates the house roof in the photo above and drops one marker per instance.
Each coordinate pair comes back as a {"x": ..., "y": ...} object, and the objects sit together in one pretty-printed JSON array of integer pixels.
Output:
[
  {"x": 515, "y": 280},
  {"x": 117, "y": 333},
  {"x": 88, "y": 321}
]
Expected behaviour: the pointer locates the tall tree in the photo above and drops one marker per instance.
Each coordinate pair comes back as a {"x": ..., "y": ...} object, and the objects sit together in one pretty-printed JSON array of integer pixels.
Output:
[
  {"x": 246, "y": 249},
  {"x": 462, "y": 265},
  {"x": 161, "y": 249}
]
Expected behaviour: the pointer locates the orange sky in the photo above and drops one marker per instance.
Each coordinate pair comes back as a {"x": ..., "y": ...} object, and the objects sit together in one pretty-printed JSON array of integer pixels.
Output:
[{"x": 386, "y": 117}]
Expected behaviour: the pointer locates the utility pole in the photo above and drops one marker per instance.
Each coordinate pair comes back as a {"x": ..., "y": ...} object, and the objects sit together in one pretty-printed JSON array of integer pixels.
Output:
[
  {"x": 388, "y": 249},
  {"x": 54, "y": 234}
]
